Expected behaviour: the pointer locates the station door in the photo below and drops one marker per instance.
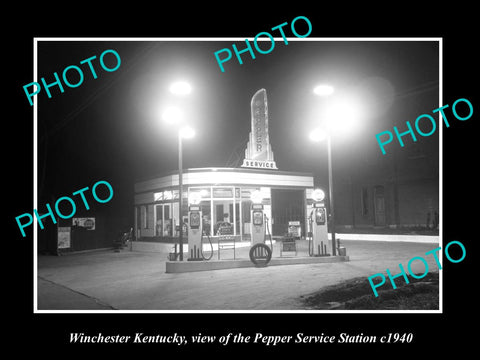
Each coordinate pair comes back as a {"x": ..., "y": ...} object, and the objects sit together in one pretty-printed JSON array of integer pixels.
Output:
[{"x": 287, "y": 205}]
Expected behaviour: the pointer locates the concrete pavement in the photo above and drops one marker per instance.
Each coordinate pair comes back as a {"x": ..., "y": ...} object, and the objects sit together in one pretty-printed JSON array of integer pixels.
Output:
[
  {"x": 59, "y": 297},
  {"x": 130, "y": 280}
]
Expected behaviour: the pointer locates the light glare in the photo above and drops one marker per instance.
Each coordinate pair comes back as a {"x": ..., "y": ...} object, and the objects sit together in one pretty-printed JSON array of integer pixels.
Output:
[
  {"x": 187, "y": 132},
  {"x": 318, "y": 135},
  {"x": 180, "y": 88},
  {"x": 172, "y": 115},
  {"x": 344, "y": 115},
  {"x": 323, "y": 90}
]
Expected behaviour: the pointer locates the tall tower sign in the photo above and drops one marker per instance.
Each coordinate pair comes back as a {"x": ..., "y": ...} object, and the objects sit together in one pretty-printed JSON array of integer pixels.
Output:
[{"x": 258, "y": 153}]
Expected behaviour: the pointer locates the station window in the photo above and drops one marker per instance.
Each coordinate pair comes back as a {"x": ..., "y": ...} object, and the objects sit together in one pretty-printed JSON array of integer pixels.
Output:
[
  {"x": 144, "y": 212},
  {"x": 223, "y": 192}
]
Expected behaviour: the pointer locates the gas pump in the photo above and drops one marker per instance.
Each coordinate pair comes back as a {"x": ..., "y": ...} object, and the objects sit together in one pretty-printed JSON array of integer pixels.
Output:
[
  {"x": 318, "y": 225},
  {"x": 195, "y": 231},
  {"x": 258, "y": 224},
  {"x": 260, "y": 254}
]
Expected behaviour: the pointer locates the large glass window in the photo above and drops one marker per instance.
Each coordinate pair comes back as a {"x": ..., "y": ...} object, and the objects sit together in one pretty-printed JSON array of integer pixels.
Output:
[
  {"x": 159, "y": 220},
  {"x": 206, "y": 217},
  {"x": 246, "y": 205},
  {"x": 163, "y": 222},
  {"x": 167, "y": 220},
  {"x": 143, "y": 210},
  {"x": 223, "y": 192},
  {"x": 226, "y": 209},
  {"x": 224, "y": 217}
]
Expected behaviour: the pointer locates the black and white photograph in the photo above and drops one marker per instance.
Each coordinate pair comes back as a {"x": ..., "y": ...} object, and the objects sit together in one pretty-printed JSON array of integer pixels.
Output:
[
  {"x": 194, "y": 189},
  {"x": 272, "y": 155}
]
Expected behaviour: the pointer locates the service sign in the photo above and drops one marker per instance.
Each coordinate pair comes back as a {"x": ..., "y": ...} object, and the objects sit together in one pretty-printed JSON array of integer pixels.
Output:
[{"x": 259, "y": 164}]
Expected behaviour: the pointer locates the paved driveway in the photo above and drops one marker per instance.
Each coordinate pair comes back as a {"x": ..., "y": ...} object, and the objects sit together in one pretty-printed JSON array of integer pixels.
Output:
[{"x": 137, "y": 281}]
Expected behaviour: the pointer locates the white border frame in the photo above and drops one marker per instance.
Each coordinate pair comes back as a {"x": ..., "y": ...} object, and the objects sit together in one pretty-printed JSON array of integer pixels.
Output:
[{"x": 35, "y": 177}]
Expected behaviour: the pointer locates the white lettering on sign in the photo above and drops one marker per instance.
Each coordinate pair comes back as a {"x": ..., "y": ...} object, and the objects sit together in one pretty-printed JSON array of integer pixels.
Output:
[{"x": 259, "y": 164}]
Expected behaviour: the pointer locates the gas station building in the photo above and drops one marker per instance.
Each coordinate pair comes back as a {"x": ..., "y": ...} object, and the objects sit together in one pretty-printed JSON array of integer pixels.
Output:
[
  {"x": 225, "y": 198},
  {"x": 224, "y": 194}
]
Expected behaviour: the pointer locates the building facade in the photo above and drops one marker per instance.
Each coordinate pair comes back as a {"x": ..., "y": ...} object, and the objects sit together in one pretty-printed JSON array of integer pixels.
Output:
[
  {"x": 401, "y": 191},
  {"x": 225, "y": 198}
]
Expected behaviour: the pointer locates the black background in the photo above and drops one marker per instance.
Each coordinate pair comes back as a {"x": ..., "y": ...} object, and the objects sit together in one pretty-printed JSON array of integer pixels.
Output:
[{"x": 433, "y": 333}]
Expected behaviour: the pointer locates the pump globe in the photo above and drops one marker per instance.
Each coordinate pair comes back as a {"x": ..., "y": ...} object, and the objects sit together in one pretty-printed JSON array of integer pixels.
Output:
[
  {"x": 318, "y": 195},
  {"x": 194, "y": 198},
  {"x": 256, "y": 197}
]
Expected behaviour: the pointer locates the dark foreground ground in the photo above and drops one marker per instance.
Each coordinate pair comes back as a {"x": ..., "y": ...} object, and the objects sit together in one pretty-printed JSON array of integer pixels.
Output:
[{"x": 357, "y": 294}]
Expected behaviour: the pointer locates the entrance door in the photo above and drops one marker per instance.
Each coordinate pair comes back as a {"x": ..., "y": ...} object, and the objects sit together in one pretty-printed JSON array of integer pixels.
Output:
[
  {"x": 379, "y": 205},
  {"x": 287, "y": 205}
]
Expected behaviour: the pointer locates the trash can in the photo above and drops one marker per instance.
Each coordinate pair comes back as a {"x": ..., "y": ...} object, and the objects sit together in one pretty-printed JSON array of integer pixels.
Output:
[{"x": 342, "y": 251}]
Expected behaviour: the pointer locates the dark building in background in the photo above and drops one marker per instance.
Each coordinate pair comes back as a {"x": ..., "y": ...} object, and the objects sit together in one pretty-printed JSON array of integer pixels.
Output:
[{"x": 397, "y": 190}]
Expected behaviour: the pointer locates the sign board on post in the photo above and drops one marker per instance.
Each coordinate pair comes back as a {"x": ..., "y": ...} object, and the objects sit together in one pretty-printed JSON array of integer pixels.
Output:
[
  {"x": 294, "y": 229},
  {"x": 63, "y": 237},
  {"x": 288, "y": 245}
]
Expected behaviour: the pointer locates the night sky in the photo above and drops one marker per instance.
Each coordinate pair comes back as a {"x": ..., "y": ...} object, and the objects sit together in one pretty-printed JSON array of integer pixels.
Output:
[{"x": 111, "y": 128}]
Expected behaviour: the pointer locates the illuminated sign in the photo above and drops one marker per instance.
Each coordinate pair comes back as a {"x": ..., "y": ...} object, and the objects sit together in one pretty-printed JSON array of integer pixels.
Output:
[
  {"x": 258, "y": 153},
  {"x": 259, "y": 164}
]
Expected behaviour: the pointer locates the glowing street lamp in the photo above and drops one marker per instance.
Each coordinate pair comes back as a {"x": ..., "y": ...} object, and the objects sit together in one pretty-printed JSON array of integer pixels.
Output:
[
  {"x": 180, "y": 88},
  {"x": 318, "y": 135},
  {"x": 172, "y": 115},
  {"x": 186, "y": 132},
  {"x": 323, "y": 90}
]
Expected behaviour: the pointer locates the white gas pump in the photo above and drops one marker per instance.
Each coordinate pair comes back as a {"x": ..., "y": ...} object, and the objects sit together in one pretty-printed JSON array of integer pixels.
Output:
[
  {"x": 194, "y": 233},
  {"x": 260, "y": 254},
  {"x": 257, "y": 224},
  {"x": 195, "y": 230},
  {"x": 318, "y": 223}
]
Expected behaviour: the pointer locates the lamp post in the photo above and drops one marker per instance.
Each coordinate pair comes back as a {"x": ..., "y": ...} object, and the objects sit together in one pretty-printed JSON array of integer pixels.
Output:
[
  {"x": 330, "y": 193},
  {"x": 180, "y": 193},
  {"x": 319, "y": 135},
  {"x": 175, "y": 116},
  {"x": 343, "y": 115},
  {"x": 183, "y": 133}
]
